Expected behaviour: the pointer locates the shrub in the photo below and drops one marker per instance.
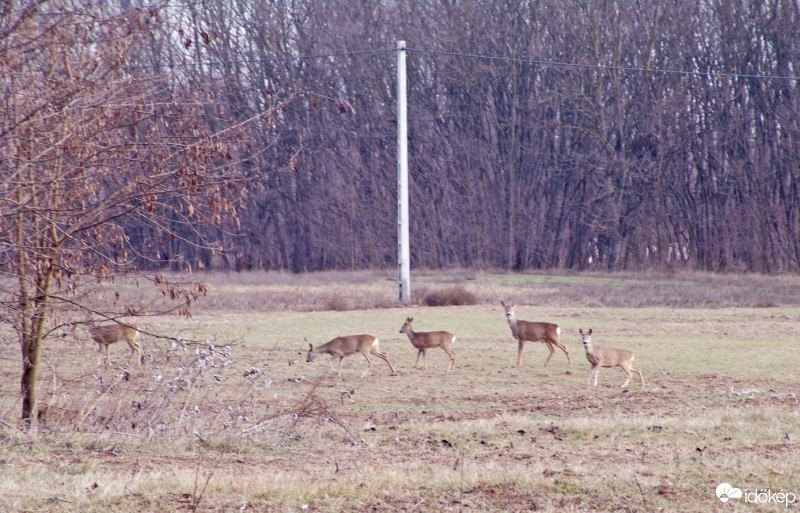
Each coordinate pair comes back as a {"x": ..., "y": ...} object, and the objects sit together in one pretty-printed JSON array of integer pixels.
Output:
[{"x": 455, "y": 295}]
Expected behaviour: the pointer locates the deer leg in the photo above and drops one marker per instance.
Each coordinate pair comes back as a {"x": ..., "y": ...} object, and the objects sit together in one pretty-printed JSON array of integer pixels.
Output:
[
  {"x": 383, "y": 357},
  {"x": 563, "y": 348},
  {"x": 639, "y": 372},
  {"x": 424, "y": 359},
  {"x": 341, "y": 360},
  {"x": 419, "y": 353},
  {"x": 452, "y": 355},
  {"x": 370, "y": 360},
  {"x": 103, "y": 355},
  {"x": 595, "y": 371},
  {"x": 626, "y": 369},
  {"x": 552, "y": 351},
  {"x": 136, "y": 348},
  {"x": 519, "y": 351}
]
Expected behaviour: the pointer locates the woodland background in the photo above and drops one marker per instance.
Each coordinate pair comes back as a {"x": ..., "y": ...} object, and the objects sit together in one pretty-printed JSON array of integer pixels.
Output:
[{"x": 574, "y": 135}]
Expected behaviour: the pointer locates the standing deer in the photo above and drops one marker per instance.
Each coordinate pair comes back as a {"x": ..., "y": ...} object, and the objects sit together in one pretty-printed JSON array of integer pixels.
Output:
[
  {"x": 340, "y": 347},
  {"x": 534, "y": 332},
  {"x": 607, "y": 357},
  {"x": 110, "y": 333},
  {"x": 426, "y": 340}
]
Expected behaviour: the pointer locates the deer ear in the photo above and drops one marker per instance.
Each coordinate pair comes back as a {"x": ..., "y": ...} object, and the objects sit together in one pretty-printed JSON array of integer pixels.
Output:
[
  {"x": 410, "y": 319},
  {"x": 310, "y": 348},
  {"x": 589, "y": 332},
  {"x": 580, "y": 330},
  {"x": 503, "y": 304}
]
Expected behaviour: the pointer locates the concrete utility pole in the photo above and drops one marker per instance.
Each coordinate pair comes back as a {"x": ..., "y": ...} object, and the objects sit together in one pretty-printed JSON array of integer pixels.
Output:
[{"x": 403, "y": 253}]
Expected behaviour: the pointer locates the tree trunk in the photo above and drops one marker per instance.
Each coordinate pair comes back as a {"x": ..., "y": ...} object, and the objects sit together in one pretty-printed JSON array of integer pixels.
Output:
[
  {"x": 31, "y": 342},
  {"x": 30, "y": 370}
]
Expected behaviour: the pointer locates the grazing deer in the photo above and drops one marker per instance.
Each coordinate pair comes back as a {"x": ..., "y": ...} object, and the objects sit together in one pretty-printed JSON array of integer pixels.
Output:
[
  {"x": 110, "y": 333},
  {"x": 427, "y": 340},
  {"x": 607, "y": 357},
  {"x": 340, "y": 347},
  {"x": 534, "y": 332}
]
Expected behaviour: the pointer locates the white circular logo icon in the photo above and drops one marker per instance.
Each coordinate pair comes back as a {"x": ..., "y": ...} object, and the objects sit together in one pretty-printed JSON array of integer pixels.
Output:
[{"x": 726, "y": 491}]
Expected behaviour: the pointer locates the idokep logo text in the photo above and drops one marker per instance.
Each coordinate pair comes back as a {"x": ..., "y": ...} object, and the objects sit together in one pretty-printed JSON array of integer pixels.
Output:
[{"x": 726, "y": 492}]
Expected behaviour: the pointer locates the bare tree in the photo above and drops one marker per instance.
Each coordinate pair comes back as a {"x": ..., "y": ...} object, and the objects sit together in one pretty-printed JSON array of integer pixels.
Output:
[{"x": 95, "y": 151}]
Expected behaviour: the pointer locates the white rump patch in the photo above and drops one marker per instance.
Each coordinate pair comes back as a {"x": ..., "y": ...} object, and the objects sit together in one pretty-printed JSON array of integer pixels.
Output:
[
  {"x": 558, "y": 330},
  {"x": 375, "y": 344}
]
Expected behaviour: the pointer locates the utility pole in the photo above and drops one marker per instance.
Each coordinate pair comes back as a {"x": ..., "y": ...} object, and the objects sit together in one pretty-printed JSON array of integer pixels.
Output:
[{"x": 403, "y": 253}]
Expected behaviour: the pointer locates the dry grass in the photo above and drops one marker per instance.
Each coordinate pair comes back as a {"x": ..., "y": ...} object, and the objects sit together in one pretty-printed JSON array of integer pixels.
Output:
[
  {"x": 373, "y": 289},
  {"x": 239, "y": 421}
]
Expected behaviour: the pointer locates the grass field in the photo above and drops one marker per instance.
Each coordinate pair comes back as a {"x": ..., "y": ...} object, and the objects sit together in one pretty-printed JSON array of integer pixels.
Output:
[{"x": 238, "y": 421}]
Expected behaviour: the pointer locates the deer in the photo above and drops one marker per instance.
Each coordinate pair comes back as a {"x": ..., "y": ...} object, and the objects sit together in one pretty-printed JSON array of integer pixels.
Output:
[
  {"x": 340, "y": 347},
  {"x": 426, "y": 340},
  {"x": 110, "y": 333},
  {"x": 544, "y": 332},
  {"x": 608, "y": 357}
]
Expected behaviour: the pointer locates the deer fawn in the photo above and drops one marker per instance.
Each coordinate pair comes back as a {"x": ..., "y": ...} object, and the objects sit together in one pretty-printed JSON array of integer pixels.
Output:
[
  {"x": 427, "y": 340},
  {"x": 340, "y": 347},
  {"x": 534, "y": 332},
  {"x": 607, "y": 357},
  {"x": 110, "y": 333}
]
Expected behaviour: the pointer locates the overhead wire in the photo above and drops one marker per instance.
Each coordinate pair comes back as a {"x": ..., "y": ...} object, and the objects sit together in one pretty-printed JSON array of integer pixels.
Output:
[
  {"x": 605, "y": 67},
  {"x": 463, "y": 55}
]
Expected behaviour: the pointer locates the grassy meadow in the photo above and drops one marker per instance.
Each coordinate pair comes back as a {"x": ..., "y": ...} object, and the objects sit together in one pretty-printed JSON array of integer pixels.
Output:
[{"x": 230, "y": 417}]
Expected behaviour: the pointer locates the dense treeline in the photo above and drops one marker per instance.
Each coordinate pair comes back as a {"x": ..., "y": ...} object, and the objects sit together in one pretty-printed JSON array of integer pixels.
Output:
[{"x": 574, "y": 148}]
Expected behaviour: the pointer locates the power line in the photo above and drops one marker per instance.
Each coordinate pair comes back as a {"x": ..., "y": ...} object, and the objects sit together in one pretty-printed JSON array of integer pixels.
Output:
[
  {"x": 538, "y": 62},
  {"x": 604, "y": 67},
  {"x": 222, "y": 63}
]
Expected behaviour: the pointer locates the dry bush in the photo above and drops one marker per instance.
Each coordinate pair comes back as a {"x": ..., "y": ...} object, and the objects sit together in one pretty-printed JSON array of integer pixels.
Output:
[
  {"x": 336, "y": 302},
  {"x": 455, "y": 295},
  {"x": 199, "y": 395},
  {"x": 156, "y": 402}
]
